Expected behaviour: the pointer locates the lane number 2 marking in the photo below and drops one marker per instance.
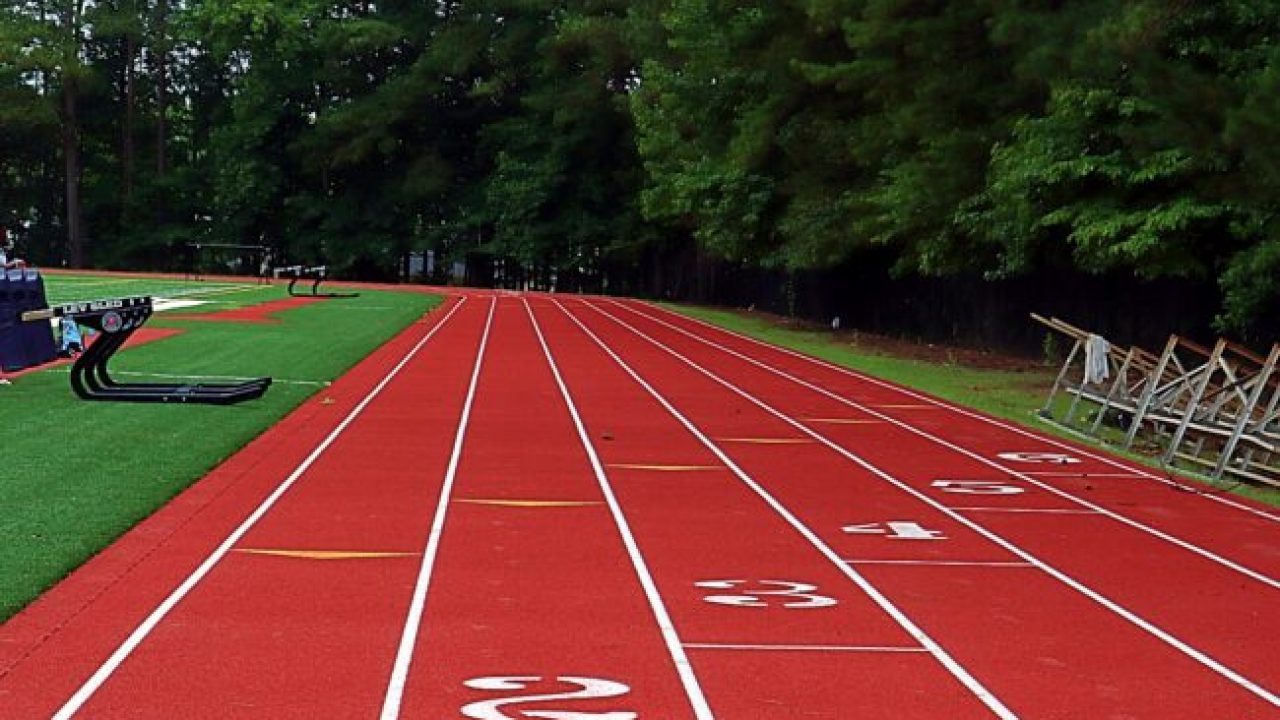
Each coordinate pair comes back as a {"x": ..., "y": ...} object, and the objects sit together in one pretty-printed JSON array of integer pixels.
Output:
[
  {"x": 787, "y": 594},
  {"x": 1040, "y": 457},
  {"x": 895, "y": 530},
  {"x": 589, "y": 688},
  {"x": 977, "y": 487}
]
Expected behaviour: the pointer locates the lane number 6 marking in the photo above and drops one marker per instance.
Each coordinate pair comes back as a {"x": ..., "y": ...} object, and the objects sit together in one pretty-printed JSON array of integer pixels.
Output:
[{"x": 1039, "y": 457}]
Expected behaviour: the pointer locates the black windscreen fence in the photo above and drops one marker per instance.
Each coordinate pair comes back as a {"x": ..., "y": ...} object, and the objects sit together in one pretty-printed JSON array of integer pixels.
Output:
[{"x": 970, "y": 311}]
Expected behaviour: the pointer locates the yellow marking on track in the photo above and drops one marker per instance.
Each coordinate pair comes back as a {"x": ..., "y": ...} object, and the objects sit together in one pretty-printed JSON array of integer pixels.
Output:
[
  {"x": 326, "y": 554},
  {"x": 528, "y": 503},
  {"x": 766, "y": 440},
  {"x": 662, "y": 468},
  {"x": 906, "y": 407},
  {"x": 843, "y": 421}
]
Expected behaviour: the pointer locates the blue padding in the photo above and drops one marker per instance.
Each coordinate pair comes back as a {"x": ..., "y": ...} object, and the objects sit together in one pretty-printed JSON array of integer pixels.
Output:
[
  {"x": 37, "y": 337},
  {"x": 23, "y": 345},
  {"x": 12, "y": 355}
]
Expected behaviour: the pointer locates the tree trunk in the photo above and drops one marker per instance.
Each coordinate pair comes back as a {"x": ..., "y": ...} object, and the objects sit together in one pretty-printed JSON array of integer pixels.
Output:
[
  {"x": 161, "y": 49},
  {"x": 71, "y": 14},
  {"x": 71, "y": 169},
  {"x": 128, "y": 154}
]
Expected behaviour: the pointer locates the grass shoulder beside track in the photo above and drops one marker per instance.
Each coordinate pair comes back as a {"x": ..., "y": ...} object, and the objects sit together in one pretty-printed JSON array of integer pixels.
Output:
[
  {"x": 76, "y": 475},
  {"x": 1010, "y": 395}
]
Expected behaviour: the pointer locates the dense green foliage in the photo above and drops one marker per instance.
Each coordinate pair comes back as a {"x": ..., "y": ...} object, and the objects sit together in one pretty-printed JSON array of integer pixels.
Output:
[{"x": 988, "y": 136}]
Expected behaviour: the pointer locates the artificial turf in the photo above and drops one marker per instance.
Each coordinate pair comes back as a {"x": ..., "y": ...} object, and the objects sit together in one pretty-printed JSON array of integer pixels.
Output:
[
  {"x": 1013, "y": 396},
  {"x": 75, "y": 475}
]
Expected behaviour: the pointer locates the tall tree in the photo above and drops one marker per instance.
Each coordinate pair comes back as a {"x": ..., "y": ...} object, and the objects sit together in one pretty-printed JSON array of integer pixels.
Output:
[{"x": 1147, "y": 155}]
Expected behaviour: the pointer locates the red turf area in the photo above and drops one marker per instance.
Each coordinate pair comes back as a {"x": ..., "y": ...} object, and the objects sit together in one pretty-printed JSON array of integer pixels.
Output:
[
  {"x": 141, "y": 337},
  {"x": 261, "y": 313},
  {"x": 575, "y": 509}
]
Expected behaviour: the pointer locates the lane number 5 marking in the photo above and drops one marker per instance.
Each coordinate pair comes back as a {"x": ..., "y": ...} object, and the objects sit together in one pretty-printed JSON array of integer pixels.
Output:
[
  {"x": 787, "y": 594},
  {"x": 590, "y": 688}
]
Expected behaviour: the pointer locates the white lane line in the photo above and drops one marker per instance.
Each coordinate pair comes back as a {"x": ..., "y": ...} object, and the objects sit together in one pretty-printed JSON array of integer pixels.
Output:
[
  {"x": 807, "y": 648},
  {"x": 958, "y": 410},
  {"x": 947, "y": 563},
  {"x": 413, "y": 622},
  {"x": 140, "y": 633},
  {"x": 1142, "y": 527},
  {"x": 1081, "y": 474},
  {"x": 1062, "y": 577},
  {"x": 204, "y": 292},
  {"x": 943, "y": 657},
  {"x": 692, "y": 689},
  {"x": 219, "y": 378},
  {"x": 1040, "y": 511}
]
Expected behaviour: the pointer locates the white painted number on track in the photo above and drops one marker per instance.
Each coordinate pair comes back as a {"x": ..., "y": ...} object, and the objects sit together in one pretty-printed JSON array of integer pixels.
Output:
[
  {"x": 590, "y": 688},
  {"x": 895, "y": 530},
  {"x": 977, "y": 487},
  {"x": 792, "y": 595},
  {"x": 1040, "y": 458}
]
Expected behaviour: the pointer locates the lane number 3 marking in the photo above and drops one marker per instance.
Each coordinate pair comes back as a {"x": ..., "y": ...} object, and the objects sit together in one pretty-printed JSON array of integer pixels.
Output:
[
  {"x": 792, "y": 595},
  {"x": 589, "y": 688}
]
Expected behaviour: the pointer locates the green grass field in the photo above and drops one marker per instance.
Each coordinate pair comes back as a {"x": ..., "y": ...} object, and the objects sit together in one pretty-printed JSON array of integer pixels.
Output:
[
  {"x": 77, "y": 474},
  {"x": 1013, "y": 396},
  {"x": 69, "y": 288}
]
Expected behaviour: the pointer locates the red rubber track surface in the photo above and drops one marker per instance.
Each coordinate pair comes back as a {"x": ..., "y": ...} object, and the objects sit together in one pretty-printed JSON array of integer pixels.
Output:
[{"x": 737, "y": 532}]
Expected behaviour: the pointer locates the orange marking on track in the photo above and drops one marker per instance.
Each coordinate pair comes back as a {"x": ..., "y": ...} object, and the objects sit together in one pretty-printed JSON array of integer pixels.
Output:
[
  {"x": 528, "y": 503},
  {"x": 765, "y": 440},
  {"x": 326, "y": 554},
  {"x": 662, "y": 468}
]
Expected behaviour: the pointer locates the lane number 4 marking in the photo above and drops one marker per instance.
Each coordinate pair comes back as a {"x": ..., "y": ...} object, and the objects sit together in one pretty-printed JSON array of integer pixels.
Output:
[
  {"x": 977, "y": 487},
  {"x": 511, "y": 685},
  {"x": 783, "y": 593},
  {"x": 895, "y": 530}
]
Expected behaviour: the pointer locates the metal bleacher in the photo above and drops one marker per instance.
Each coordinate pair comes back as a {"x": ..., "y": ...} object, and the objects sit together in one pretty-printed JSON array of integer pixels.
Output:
[{"x": 1214, "y": 411}]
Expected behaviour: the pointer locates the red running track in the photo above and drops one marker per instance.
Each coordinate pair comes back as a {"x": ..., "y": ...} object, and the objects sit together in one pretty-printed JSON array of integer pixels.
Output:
[{"x": 535, "y": 507}]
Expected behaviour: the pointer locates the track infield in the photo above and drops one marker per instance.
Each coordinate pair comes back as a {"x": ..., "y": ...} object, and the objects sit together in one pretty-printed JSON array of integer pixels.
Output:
[{"x": 530, "y": 506}]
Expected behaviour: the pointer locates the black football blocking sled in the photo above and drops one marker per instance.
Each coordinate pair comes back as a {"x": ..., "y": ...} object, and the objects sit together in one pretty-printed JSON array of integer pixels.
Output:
[
  {"x": 316, "y": 274},
  {"x": 117, "y": 320}
]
